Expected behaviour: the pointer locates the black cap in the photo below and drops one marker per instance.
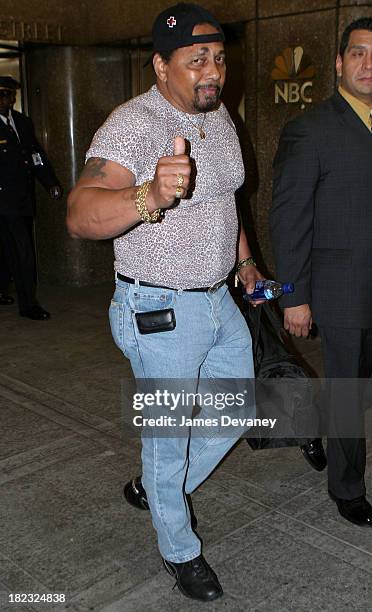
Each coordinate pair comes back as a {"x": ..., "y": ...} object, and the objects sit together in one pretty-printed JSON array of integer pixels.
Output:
[
  {"x": 173, "y": 27},
  {"x": 7, "y": 82}
]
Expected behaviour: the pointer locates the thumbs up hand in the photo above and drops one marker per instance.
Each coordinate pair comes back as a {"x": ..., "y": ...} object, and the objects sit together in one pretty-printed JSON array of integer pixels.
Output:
[
  {"x": 171, "y": 179},
  {"x": 179, "y": 145}
]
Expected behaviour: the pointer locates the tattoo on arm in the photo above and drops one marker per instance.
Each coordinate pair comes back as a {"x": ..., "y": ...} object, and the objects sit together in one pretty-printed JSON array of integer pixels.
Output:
[{"x": 94, "y": 168}]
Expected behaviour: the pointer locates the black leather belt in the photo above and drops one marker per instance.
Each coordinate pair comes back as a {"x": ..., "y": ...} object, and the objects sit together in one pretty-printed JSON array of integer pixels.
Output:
[{"x": 211, "y": 289}]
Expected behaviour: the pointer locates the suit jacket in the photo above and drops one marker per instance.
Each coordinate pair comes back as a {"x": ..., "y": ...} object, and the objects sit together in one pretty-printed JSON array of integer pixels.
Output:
[
  {"x": 321, "y": 218},
  {"x": 17, "y": 167}
]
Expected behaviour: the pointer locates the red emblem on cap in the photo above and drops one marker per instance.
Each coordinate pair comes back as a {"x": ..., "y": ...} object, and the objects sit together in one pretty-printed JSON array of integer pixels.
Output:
[{"x": 171, "y": 21}]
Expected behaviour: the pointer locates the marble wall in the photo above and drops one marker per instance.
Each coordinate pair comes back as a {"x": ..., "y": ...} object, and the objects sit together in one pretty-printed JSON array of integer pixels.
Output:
[
  {"x": 279, "y": 26},
  {"x": 71, "y": 90},
  {"x": 97, "y": 21},
  {"x": 43, "y": 21}
]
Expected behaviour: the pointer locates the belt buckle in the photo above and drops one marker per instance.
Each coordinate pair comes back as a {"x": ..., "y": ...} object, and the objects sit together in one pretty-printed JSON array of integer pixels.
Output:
[{"x": 213, "y": 288}]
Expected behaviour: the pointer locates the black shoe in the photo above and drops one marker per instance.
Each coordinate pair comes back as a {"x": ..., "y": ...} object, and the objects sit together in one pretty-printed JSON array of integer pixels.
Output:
[
  {"x": 357, "y": 511},
  {"x": 195, "y": 579},
  {"x": 36, "y": 313},
  {"x": 136, "y": 496},
  {"x": 6, "y": 300},
  {"x": 313, "y": 452}
]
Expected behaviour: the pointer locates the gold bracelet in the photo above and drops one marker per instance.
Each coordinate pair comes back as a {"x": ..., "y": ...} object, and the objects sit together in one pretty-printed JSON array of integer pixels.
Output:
[
  {"x": 249, "y": 261},
  {"x": 142, "y": 209}
]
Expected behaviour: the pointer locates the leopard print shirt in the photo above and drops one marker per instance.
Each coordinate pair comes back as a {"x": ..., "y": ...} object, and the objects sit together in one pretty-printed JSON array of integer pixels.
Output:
[{"x": 195, "y": 244}]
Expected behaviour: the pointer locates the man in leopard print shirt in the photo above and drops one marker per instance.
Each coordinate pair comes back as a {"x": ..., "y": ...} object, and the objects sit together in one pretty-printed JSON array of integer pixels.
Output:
[{"x": 173, "y": 219}]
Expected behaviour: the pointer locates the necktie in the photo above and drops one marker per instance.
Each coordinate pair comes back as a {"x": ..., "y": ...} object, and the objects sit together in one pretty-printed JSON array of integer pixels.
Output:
[
  {"x": 370, "y": 120},
  {"x": 11, "y": 127}
]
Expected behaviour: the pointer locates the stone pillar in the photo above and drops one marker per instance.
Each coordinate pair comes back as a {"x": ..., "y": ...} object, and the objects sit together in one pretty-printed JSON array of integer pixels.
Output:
[{"x": 70, "y": 92}]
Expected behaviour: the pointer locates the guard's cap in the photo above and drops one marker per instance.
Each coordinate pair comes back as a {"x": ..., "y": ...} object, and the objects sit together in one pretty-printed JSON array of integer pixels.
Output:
[
  {"x": 173, "y": 27},
  {"x": 7, "y": 82}
]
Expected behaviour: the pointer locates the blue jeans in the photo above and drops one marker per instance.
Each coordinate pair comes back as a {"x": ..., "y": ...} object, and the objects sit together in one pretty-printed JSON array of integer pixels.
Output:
[{"x": 210, "y": 342}]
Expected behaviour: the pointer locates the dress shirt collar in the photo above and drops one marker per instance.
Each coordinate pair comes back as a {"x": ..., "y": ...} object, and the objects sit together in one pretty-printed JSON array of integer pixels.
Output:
[{"x": 360, "y": 108}]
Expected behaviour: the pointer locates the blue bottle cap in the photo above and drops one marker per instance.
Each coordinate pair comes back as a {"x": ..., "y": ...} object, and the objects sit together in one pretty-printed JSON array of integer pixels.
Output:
[{"x": 288, "y": 287}]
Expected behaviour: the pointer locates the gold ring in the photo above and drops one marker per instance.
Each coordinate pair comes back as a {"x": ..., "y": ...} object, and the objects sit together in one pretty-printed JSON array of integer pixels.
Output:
[
  {"x": 180, "y": 180},
  {"x": 178, "y": 192}
]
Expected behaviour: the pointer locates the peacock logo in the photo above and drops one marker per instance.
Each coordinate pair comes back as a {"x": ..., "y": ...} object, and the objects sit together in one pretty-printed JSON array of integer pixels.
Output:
[{"x": 291, "y": 68}]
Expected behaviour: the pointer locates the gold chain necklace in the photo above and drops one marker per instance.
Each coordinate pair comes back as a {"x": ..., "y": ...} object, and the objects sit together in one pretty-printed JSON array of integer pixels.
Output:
[{"x": 197, "y": 127}]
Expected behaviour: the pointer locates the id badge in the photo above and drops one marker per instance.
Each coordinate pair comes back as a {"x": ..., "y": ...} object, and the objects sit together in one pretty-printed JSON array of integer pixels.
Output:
[{"x": 36, "y": 158}]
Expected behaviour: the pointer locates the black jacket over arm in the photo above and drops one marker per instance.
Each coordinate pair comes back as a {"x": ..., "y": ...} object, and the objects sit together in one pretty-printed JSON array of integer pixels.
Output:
[
  {"x": 17, "y": 169},
  {"x": 321, "y": 218}
]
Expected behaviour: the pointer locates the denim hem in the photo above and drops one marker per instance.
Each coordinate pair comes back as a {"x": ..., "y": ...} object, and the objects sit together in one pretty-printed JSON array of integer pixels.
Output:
[{"x": 186, "y": 557}]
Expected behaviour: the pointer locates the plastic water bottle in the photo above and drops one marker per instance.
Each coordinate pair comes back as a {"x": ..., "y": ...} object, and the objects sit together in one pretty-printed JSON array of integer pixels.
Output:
[{"x": 269, "y": 290}]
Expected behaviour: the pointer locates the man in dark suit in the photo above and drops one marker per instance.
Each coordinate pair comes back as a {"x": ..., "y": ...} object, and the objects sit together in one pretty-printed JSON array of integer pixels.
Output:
[
  {"x": 21, "y": 159},
  {"x": 5, "y": 278},
  {"x": 321, "y": 224}
]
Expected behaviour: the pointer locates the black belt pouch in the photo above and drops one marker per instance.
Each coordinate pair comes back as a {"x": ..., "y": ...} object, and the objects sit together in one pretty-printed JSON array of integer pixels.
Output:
[{"x": 156, "y": 321}]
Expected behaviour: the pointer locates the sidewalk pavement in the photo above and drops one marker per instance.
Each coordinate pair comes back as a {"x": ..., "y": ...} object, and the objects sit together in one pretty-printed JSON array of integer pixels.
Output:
[{"x": 269, "y": 529}]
